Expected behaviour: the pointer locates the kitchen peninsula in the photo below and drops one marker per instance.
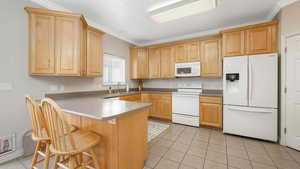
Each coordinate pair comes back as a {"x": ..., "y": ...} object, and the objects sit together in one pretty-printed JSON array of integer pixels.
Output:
[{"x": 122, "y": 125}]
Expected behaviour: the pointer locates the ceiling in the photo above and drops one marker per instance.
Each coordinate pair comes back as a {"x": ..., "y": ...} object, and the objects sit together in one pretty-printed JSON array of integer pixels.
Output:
[{"x": 130, "y": 21}]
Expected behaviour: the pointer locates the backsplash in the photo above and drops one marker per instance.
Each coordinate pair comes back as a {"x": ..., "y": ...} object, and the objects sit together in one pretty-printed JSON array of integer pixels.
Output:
[{"x": 211, "y": 83}]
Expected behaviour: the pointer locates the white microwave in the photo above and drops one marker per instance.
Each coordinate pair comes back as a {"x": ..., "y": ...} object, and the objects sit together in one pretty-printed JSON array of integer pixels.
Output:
[{"x": 189, "y": 69}]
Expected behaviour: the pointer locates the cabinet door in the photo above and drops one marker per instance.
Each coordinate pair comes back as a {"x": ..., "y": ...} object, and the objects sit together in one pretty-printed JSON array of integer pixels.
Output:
[
  {"x": 211, "y": 114},
  {"x": 167, "y": 62},
  {"x": 154, "y": 63},
  {"x": 41, "y": 59},
  {"x": 180, "y": 53},
  {"x": 165, "y": 107},
  {"x": 67, "y": 46},
  {"x": 133, "y": 63},
  {"x": 260, "y": 40},
  {"x": 192, "y": 51},
  {"x": 143, "y": 65},
  {"x": 234, "y": 43},
  {"x": 211, "y": 62},
  {"x": 94, "y": 62}
]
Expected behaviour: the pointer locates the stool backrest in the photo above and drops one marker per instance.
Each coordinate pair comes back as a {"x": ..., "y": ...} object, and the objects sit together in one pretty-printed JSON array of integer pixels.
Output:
[
  {"x": 57, "y": 126},
  {"x": 37, "y": 119}
]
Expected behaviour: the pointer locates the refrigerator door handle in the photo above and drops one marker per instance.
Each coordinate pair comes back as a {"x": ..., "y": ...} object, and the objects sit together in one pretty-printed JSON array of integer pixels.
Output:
[
  {"x": 250, "y": 81},
  {"x": 250, "y": 110}
]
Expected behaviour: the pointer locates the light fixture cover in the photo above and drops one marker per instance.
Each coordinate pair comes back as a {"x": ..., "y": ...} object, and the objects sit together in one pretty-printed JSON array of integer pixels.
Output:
[{"x": 183, "y": 10}]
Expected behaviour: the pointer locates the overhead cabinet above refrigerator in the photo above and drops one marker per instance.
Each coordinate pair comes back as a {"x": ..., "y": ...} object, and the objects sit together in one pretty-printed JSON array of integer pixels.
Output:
[{"x": 250, "y": 86}]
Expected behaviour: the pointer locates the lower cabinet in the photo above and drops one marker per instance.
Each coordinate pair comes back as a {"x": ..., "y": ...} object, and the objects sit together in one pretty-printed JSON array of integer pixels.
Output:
[
  {"x": 161, "y": 105},
  {"x": 211, "y": 113},
  {"x": 133, "y": 98}
]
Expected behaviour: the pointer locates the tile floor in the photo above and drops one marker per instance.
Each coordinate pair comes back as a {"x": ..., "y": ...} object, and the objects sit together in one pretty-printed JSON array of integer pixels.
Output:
[{"x": 182, "y": 147}]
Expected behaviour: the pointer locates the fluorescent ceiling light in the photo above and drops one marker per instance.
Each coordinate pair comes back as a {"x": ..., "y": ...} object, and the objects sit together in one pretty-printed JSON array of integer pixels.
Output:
[{"x": 181, "y": 9}]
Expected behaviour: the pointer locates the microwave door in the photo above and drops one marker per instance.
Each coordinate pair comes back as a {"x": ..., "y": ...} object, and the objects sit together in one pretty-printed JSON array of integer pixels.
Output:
[{"x": 183, "y": 71}]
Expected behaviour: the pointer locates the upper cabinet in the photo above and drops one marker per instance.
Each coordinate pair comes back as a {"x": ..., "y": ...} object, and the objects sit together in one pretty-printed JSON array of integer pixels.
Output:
[
  {"x": 94, "y": 52},
  {"x": 180, "y": 53},
  {"x": 211, "y": 60},
  {"x": 192, "y": 51},
  {"x": 154, "y": 63},
  {"x": 261, "y": 40},
  {"x": 59, "y": 46},
  {"x": 250, "y": 40},
  {"x": 139, "y": 63},
  {"x": 167, "y": 60},
  {"x": 234, "y": 43}
]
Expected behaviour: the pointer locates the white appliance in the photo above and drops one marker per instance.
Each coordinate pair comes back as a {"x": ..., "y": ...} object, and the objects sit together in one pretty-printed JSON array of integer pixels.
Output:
[
  {"x": 185, "y": 106},
  {"x": 189, "y": 69},
  {"x": 250, "y": 85}
]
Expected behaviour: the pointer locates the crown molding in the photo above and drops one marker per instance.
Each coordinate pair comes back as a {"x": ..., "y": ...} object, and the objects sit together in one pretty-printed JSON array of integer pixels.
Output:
[
  {"x": 198, "y": 34},
  {"x": 53, "y": 6},
  {"x": 278, "y": 6}
]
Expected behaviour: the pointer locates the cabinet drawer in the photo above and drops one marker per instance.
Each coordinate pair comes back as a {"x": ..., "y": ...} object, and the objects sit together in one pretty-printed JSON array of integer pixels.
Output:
[
  {"x": 134, "y": 97},
  {"x": 211, "y": 99}
]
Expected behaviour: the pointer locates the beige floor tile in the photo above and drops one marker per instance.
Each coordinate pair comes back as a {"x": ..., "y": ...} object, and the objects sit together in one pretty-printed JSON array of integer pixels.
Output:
[
  {"x": 146, "y": 167},
  {"x": 217, "y": 148},
  {"x": 199, "y": 143},
  {"x": 174, "y": 155},
  {"x": 294, "y": 154},
  {"x": 152, "y": 161},
  {"x": 262, "y": 166},
  {"x": 178, "y": 146},
  {"x": 184, "y": 139},
  {"x": 193, "y": 161},
  {"x": 287, "y": 164},
  {"x": 239, "y": 163},
  {"x": 165, "y": 143},
  {"x": 195, "y": 150},
  {"x": 167, "y": 164},
  {"x": 217, "y": 157},
  {"x": 15, "y": 164},
  {"x": 158, "y": 150},
  {"x": 260, "y": 158},
  {"x": 182, "y": 166},
  {"x": 241, "y": 153},
  {"x": 214, "y": 165}
]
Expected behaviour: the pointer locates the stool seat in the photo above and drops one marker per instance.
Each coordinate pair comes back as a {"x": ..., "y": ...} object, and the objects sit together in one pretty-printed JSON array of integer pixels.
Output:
[{"x": 83, "y": 141}]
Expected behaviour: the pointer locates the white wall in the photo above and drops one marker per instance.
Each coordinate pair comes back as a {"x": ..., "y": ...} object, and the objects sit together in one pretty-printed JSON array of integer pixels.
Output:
[
  {"x": 13, "y": 70},
  {"x": 289, "y": 24},
  {"x": 207, "y": 83}
]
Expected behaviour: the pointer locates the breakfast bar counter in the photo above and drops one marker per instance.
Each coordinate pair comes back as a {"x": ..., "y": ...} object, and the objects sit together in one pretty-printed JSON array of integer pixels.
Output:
[{"x": 122, "y": 125}]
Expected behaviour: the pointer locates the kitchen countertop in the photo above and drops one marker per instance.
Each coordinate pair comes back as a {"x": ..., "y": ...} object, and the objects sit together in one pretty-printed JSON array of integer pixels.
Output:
[
  {"x": 95, "y": 107},
  {"x": 104, "y": 94}
]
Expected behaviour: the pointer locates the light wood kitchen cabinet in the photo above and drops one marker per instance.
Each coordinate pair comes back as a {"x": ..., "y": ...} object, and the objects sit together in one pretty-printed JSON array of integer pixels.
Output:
[
  {"x": 211, "y": 113},
  {"x": 161, "y": 105},
  {"x": 192, "y": 51},
  {"x": 94, "y": 60},
  {"x": 261, "y": 40},
  {"x": 42, "y": 59},
  {"x": 211, "y": 59},
  {"x": 250, "y": 40},
  {"x": 58, "y": 44},
  {"x": 133, "y": 97},
  {"x": 68, "y": 45},
  {"x": 139, "y": 63},
  {"x": 180, "y": 53},
  {"x": 167, "y": 62},
  {"x": 154, "y": 63},
  {"x": 233, "y": 43}
]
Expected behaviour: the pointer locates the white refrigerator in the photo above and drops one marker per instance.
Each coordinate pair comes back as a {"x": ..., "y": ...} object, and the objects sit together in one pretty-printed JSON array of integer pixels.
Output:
[{"x": 250, "y": 85}]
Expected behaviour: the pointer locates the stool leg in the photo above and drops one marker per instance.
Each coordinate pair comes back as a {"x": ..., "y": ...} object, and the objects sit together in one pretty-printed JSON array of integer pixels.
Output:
[
  {"x": 95, "y": 160},
  {"x": 47, "y": 158},
  {"x": 57, "y": 157},
  {"x": 36, "y": 154}
]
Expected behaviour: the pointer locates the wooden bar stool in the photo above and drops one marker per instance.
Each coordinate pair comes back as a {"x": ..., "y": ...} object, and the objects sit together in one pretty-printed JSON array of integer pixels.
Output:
[
  {"x": 39, "y": 134},
  {"x": 68, "y": 146}
]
